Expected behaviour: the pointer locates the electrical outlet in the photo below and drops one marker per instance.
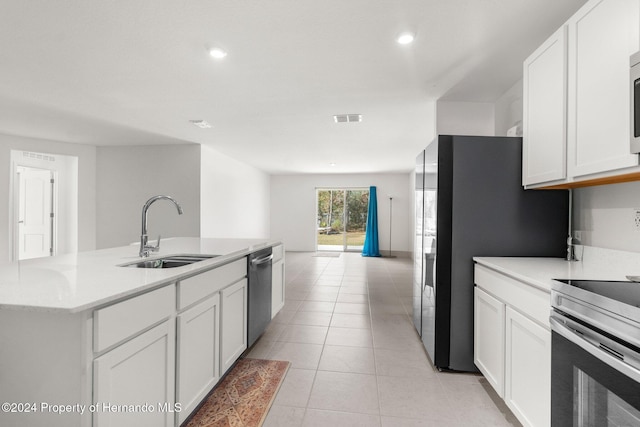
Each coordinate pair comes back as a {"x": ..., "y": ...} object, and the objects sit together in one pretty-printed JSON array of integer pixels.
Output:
[
  {"x": 577, "y": 234},
  {"x": 636, "y": 220}
]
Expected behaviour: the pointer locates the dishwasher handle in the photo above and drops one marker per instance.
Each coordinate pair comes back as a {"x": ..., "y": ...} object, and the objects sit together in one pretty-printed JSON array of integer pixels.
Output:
[{"x": 263, "y": 260}]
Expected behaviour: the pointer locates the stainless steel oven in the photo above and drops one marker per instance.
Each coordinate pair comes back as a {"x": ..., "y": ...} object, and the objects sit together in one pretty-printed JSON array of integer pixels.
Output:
[{"x": 595, "y": 353}]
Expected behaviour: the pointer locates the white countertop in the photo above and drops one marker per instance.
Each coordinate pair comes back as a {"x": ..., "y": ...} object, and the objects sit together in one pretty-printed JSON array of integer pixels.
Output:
[
  {"x": 595, "y": 264},
  {"x": 85, "y": 280}
]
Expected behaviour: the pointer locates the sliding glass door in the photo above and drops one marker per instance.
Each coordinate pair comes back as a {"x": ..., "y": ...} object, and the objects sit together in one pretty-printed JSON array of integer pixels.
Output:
[{"x": 341, "y": 218}]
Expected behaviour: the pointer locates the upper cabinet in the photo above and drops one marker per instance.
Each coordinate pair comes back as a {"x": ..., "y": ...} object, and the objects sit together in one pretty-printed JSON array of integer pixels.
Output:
[
  {"x": 602, "y": 36},
  {"x": 544, "y": 111},
  {"x": 577, "y": 97}
]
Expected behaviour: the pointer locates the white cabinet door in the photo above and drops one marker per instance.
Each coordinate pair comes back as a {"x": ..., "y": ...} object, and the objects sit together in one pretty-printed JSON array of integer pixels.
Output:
[
  {"x": 528, "y": 370},
  {"x": 139, "y": 372},
  {"x": 544, "y": 112},
  {"x": 602, "y": 36},
  {"x": 198, "y": 355},
  {"x": 233, "y": 323},
  {"x": 488, "y": 338},
  {"x": 277, "y": 287}
]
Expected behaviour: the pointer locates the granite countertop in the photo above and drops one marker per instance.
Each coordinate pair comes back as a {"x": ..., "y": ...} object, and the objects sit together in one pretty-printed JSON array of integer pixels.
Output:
[
  {"x": 76, "y": 282},
  {"x": 594, "y": 264}
]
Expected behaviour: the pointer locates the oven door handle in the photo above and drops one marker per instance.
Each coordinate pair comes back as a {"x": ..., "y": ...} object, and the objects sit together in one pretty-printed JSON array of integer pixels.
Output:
[{"x": 599, "y": 353}]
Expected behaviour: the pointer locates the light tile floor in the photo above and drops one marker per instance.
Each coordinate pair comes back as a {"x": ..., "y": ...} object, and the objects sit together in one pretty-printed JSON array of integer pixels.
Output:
[{"x": 356, "y": 359}]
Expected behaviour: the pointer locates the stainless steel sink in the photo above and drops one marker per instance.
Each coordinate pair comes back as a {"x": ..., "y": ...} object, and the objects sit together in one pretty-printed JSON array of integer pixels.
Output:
[{"x": 170, "y": 261}]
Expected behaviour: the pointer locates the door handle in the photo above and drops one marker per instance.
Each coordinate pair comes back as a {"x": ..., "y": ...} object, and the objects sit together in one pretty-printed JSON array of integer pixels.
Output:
[{"x": 605, "y": 355}]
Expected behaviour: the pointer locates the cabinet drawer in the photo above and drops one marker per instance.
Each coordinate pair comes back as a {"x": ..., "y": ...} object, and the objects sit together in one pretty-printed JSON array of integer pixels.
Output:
[
  {"x": 278, "y": 253},
  {"x": 117, "y": 322},
  {"x": 200, "y": 286},
  {"x": 525, "y": 298}
]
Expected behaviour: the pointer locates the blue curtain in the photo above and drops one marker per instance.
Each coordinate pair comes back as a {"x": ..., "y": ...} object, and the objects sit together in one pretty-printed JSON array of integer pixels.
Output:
[{"x": 371, "y": 236}]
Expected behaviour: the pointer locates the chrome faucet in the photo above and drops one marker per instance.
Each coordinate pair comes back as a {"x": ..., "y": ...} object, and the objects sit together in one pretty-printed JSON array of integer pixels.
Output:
[
  {"x": 571, "y": 241},
  {"x": 145, "y": 248}
]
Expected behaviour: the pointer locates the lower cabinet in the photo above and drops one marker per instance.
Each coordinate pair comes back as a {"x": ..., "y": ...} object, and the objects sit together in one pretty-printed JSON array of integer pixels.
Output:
[
  {"x": 277, "y": 280},
  {"x": 159, "y": 354},
  {"x": 489, "y": 342},
  {"x": 512, "y": 343},
  {"x": 198, "y": 354},
  {"x": 233, "y": 323},
  {"x": 527, "y": 369},
  {"x": 134, "y": 383}
]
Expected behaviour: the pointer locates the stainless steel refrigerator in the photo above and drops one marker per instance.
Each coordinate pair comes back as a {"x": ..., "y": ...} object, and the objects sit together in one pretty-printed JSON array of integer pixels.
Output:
[{"x": 470, "y": 202}]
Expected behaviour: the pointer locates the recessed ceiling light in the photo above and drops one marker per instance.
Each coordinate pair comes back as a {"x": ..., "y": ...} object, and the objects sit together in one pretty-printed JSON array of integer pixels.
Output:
[
  {"x": 405, "y": 38},
  {"x": 332, "y": 164},
  {"x": 217, "y": 53},
  {"x": 200, "y": 123},
  {"x": 347, "y": 118}
]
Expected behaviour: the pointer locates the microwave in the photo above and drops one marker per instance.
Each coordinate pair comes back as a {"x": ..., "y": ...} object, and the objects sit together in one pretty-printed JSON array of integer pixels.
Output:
[{"x": 635, "y": 102}]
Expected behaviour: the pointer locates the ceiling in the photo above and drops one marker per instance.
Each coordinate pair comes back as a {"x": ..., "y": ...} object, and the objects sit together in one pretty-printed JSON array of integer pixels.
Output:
[{"x": 122, "y": 72}]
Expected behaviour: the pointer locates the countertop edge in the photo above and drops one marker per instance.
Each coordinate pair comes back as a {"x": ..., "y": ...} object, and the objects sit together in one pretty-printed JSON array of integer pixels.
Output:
[
  {"x": 594, "y": 264},
  {"x": 174, "y": 275},
  {"x": 493, "y": 263}
]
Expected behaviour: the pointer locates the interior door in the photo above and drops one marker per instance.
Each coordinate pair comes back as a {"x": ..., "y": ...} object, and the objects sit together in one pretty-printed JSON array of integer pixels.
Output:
[{"x": 35, "y": 213}]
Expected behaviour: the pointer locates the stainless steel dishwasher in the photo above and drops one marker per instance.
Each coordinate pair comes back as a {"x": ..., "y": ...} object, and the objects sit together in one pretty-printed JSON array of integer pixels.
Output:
[{"x": 259, "y": 294}]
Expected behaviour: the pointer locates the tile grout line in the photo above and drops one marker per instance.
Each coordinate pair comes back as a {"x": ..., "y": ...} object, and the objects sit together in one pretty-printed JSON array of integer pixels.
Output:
[{"x": 375, "y": 356}]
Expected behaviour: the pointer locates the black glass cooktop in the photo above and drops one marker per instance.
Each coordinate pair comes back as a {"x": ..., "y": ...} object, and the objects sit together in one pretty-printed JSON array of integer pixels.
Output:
[{"x": 622, "y": 291}]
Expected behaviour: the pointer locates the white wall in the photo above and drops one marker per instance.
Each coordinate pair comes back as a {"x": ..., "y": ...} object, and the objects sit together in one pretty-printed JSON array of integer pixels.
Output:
[
  {"x": 465, "y": 118},
  {"x": 480, "y": 118},
  {"x": 606, "y": 215},
  {"x": 86, "y": 186},
  {"x": 127, "y": 176},
  {"x": 508, "y": 109},
  {"x": 235, "y": 198},
  {"x": 293, "y": 207}
]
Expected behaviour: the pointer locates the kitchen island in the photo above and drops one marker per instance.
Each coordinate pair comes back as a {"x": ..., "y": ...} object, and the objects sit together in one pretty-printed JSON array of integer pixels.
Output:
[{"x": 87, "y": 341}]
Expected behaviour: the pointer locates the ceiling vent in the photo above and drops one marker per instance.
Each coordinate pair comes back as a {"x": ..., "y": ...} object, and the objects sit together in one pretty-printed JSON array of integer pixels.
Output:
[
  {"x": 38, "y": 156},
  {"x": 347, "y": 118}
]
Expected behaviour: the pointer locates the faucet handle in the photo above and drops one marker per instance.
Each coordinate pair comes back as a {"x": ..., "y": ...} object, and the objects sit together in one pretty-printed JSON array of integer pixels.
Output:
[
  {"x": 571, "y": 249},
  {"x": 156, "y": 248}
]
